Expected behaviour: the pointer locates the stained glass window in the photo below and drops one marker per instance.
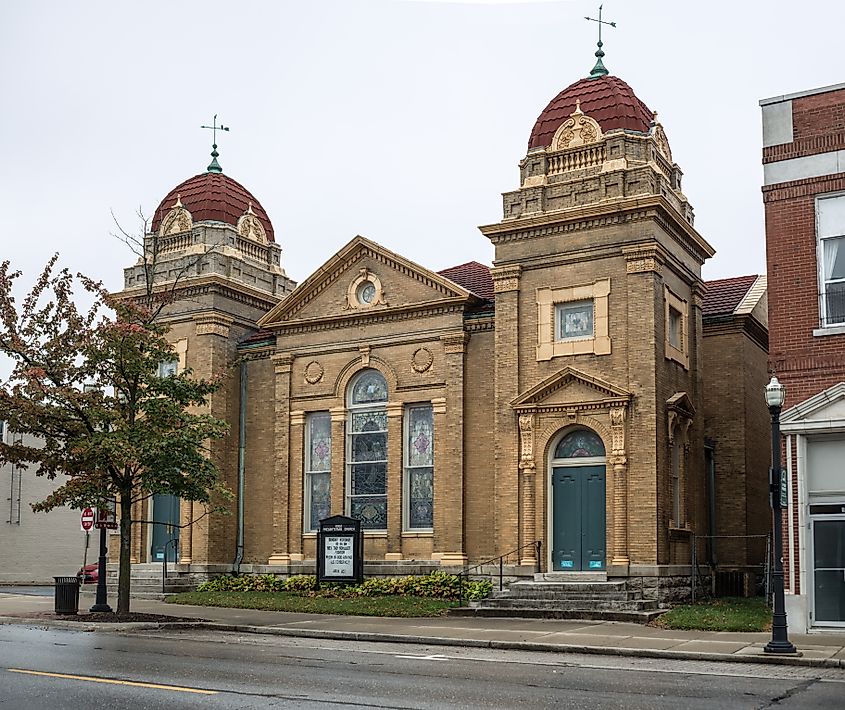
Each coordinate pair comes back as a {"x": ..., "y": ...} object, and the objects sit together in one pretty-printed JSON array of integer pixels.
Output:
[
  {"x": 367, "y": 450},
  {"x": 419, "y": 471},
  {"x": 574, "y": 320},
  {"x": 580, "y": 443},
  {"x": 318, "y": 466},
  {"x": 369, "y": 387}
]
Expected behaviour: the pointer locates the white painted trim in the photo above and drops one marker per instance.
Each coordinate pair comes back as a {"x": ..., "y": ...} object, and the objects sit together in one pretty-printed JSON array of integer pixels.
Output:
[
  {"x": 801, "y": 94},
  {"x": 789, "y": 515},
  {"x": 810, "y": 166},
  {"x": 801, "y": 458}
]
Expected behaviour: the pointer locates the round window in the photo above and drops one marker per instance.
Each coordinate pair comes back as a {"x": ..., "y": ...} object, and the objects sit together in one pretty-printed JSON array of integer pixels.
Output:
[{"x": 366, "y": 293}]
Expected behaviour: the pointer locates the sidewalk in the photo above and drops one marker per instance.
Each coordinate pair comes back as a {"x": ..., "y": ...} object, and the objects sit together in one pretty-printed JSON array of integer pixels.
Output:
[{"x": 555, "y": 635}]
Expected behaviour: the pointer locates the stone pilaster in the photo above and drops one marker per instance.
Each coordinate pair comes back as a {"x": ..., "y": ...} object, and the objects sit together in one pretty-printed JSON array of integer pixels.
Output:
[
  {"x": 528, "y": 481},
  {"x": 618, "y": 460},
  {"x": 394, "y": 481},
  {"x": 186, "y": 516},
  {"x": 449, "y": 452},
  {"x": 297, "y": 438},
  {"x": 338, "y": 495},
  {"x": 281, "y": 475},
  {"x": 506, "y": 389}
]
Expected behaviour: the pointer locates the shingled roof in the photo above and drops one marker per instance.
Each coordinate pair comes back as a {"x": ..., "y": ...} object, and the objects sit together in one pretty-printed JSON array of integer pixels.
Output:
[
  {"x": 725, "y": 295},
  {"x": 473, "y": 277}
]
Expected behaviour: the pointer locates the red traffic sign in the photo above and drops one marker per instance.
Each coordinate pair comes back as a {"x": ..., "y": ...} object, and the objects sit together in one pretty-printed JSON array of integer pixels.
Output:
[{"x": 86, "y": 520}]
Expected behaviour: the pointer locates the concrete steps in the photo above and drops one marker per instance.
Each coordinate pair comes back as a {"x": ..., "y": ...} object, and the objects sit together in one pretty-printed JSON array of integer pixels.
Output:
[{"x": 568, "y": 597}]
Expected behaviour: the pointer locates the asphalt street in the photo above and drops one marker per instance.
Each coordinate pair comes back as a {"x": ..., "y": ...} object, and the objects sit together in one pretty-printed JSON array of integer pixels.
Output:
[{"x": 52, "y": 668}]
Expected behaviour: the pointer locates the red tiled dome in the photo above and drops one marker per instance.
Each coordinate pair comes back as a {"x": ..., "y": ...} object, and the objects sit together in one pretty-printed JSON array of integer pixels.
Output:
[
  {"x": 607, "y": 99},
  {"x": 213, "y": 196}
]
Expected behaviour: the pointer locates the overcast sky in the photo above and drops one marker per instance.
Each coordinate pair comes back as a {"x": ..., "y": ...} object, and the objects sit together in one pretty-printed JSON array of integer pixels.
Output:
[{"x": 400, "y": 120}]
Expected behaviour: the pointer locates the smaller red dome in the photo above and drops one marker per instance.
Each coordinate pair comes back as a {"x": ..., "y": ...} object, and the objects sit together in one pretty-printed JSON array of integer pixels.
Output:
[
  {"x": 213, "y": 196},
  {"x": 607, "y": 99}
]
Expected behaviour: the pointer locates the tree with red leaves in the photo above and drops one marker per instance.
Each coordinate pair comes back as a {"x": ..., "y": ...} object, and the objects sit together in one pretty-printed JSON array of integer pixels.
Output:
[{"x": 86, "y": 383}]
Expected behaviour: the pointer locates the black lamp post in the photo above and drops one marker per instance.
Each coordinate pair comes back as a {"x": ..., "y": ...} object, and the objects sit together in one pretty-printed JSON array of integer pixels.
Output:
[
  {"x": 775, "y": 396},
  {"x": 101, "y": 603}
]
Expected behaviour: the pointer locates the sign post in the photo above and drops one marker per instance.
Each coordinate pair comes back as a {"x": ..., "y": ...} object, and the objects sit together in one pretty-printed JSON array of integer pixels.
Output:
[
  {"x": 340, "y": 551},
  {"x": 107, "y": 517}
]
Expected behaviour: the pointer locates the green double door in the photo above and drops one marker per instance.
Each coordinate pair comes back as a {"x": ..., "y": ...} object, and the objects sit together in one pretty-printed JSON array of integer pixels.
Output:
[
  {"x": 578, "y": 518},
  {"x": 165, "y": 528}
]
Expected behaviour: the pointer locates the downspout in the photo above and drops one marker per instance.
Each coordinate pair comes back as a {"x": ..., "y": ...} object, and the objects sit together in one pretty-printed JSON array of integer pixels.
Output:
[
  {"x": 710, "y": 459},
  {"x": 239, "y": 554}
]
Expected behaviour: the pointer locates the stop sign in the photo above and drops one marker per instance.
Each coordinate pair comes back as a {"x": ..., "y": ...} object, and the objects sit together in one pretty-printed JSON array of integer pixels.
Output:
[{"x": 87, "y": 519}]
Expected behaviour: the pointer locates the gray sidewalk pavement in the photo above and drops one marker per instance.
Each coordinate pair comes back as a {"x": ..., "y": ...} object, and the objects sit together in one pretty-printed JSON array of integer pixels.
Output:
[{"x": 573, "y": 636}]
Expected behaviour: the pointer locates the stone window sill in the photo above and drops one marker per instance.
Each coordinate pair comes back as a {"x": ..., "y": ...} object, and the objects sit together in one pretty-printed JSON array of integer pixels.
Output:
[
  {"x": 829, "y": 330},
  {"x": 418, "y": 533},
  {"x": 676, "y": 531}
]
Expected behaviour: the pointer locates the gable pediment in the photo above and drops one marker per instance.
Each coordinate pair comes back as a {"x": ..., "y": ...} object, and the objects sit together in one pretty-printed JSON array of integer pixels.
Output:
[
  {"x": 571, "y": 387},
  {"x": 394, "y": 282},
  {"x": 825, "y": 410}
]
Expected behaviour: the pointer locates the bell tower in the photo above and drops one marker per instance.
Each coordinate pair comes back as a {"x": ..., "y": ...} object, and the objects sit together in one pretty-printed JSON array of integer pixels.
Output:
[{"x": 597, "y": 274}]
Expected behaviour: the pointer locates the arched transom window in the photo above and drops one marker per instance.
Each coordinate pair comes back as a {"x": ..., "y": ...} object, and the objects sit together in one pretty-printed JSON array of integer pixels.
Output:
[
  {"x": 366, "y": 454},
  {"x": 581, "y": 443}
]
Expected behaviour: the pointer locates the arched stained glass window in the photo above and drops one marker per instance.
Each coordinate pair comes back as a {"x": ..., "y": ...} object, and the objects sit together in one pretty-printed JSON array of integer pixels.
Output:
[
  {"x": 578, "y": 444},
  {"x": 366, "y": 450},
  {"x": 368, "y": 388}
]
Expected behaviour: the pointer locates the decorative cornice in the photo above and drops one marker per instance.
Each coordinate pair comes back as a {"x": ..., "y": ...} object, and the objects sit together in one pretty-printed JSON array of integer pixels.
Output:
[
  {"x": 391, "y": 315},
  {"x": 632, "y": 209}
]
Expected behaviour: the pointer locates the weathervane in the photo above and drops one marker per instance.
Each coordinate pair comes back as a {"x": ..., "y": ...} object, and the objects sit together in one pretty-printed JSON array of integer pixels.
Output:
[
  {"x": 598, "y": 69},
  {"x": 214, "y": 166}
]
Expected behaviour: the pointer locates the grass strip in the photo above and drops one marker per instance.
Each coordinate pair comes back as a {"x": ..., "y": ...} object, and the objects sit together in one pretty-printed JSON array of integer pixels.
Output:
[
  {"x": 399, "y": 606},
  {"x": 727, "y": 614}
]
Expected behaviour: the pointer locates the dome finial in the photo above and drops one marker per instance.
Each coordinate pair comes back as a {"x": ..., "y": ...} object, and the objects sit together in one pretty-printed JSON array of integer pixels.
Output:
[
  {"x": 599, "y": 68},
  {"x": 214, "y": 166}
]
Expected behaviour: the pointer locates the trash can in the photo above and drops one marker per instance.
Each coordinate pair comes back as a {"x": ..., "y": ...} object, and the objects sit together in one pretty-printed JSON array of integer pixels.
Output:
[{"x": 67, "y": 595}]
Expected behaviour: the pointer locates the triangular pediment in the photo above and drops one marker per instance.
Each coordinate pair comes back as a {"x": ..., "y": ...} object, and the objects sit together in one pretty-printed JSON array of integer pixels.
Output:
[
  {"x": 681, "y": 403},
  {"x": 825, "y": 410},
  {"x": 571, "y": 387},
  {"x": 397, "y": 284}
]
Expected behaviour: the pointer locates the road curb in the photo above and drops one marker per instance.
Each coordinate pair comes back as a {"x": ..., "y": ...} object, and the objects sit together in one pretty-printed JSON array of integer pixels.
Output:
[
  {"x": 515, "y": 645},
  {"x": 372, "y": 636}
]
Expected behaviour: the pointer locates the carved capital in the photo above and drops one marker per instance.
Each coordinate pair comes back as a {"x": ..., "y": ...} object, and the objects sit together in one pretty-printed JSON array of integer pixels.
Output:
[
  {"x": 438, "y": 405},
  {"x": 297, "y": 418},
  {"x": 505, "y": 278},
  {"x": 526, "y": 437},
  {"x": 644, "y": 259},
  {"x": 282, "y": 362},
  {"x": 454, "y": 343},
  {"x": 617, "y": 431},
  {"x": 213, "y": 324}
]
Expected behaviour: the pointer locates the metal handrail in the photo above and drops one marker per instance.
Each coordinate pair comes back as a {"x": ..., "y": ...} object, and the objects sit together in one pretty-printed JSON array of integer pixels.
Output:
[
  {"x": 501, "y": 560},
  {"x": 175, "y": 543}
]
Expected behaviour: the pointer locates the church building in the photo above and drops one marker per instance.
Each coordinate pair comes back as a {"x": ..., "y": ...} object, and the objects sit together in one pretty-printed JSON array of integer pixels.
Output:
[{"x": 586, "y": 392}]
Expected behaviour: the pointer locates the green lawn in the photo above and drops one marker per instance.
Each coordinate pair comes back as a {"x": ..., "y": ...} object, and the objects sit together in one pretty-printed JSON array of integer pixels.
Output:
[
  {"x": 728, "y": 614},
  {"x": 291, "y": 601}
]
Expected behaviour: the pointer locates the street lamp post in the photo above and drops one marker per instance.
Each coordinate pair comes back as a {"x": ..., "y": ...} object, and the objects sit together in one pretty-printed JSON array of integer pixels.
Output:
[
  {"x": 775, "y": 396},
  {"x": 101, "y": 603}
]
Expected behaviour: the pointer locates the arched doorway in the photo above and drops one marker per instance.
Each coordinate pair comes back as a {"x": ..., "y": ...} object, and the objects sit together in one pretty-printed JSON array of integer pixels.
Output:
[{"x": 578, "y": 534}]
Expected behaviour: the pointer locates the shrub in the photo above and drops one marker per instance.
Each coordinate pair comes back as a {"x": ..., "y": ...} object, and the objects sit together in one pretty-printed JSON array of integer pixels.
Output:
[{"x": 436, "y": 585}]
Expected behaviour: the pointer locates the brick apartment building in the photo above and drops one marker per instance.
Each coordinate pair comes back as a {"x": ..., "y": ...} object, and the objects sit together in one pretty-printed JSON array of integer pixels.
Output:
[
  {"x": 559, "y": 396},
  {"x": 804, "y": 197}
]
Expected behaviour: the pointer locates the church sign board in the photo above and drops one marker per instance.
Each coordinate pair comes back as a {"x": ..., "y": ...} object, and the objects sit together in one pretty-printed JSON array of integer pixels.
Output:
[{"x": 340, "y": 550}]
